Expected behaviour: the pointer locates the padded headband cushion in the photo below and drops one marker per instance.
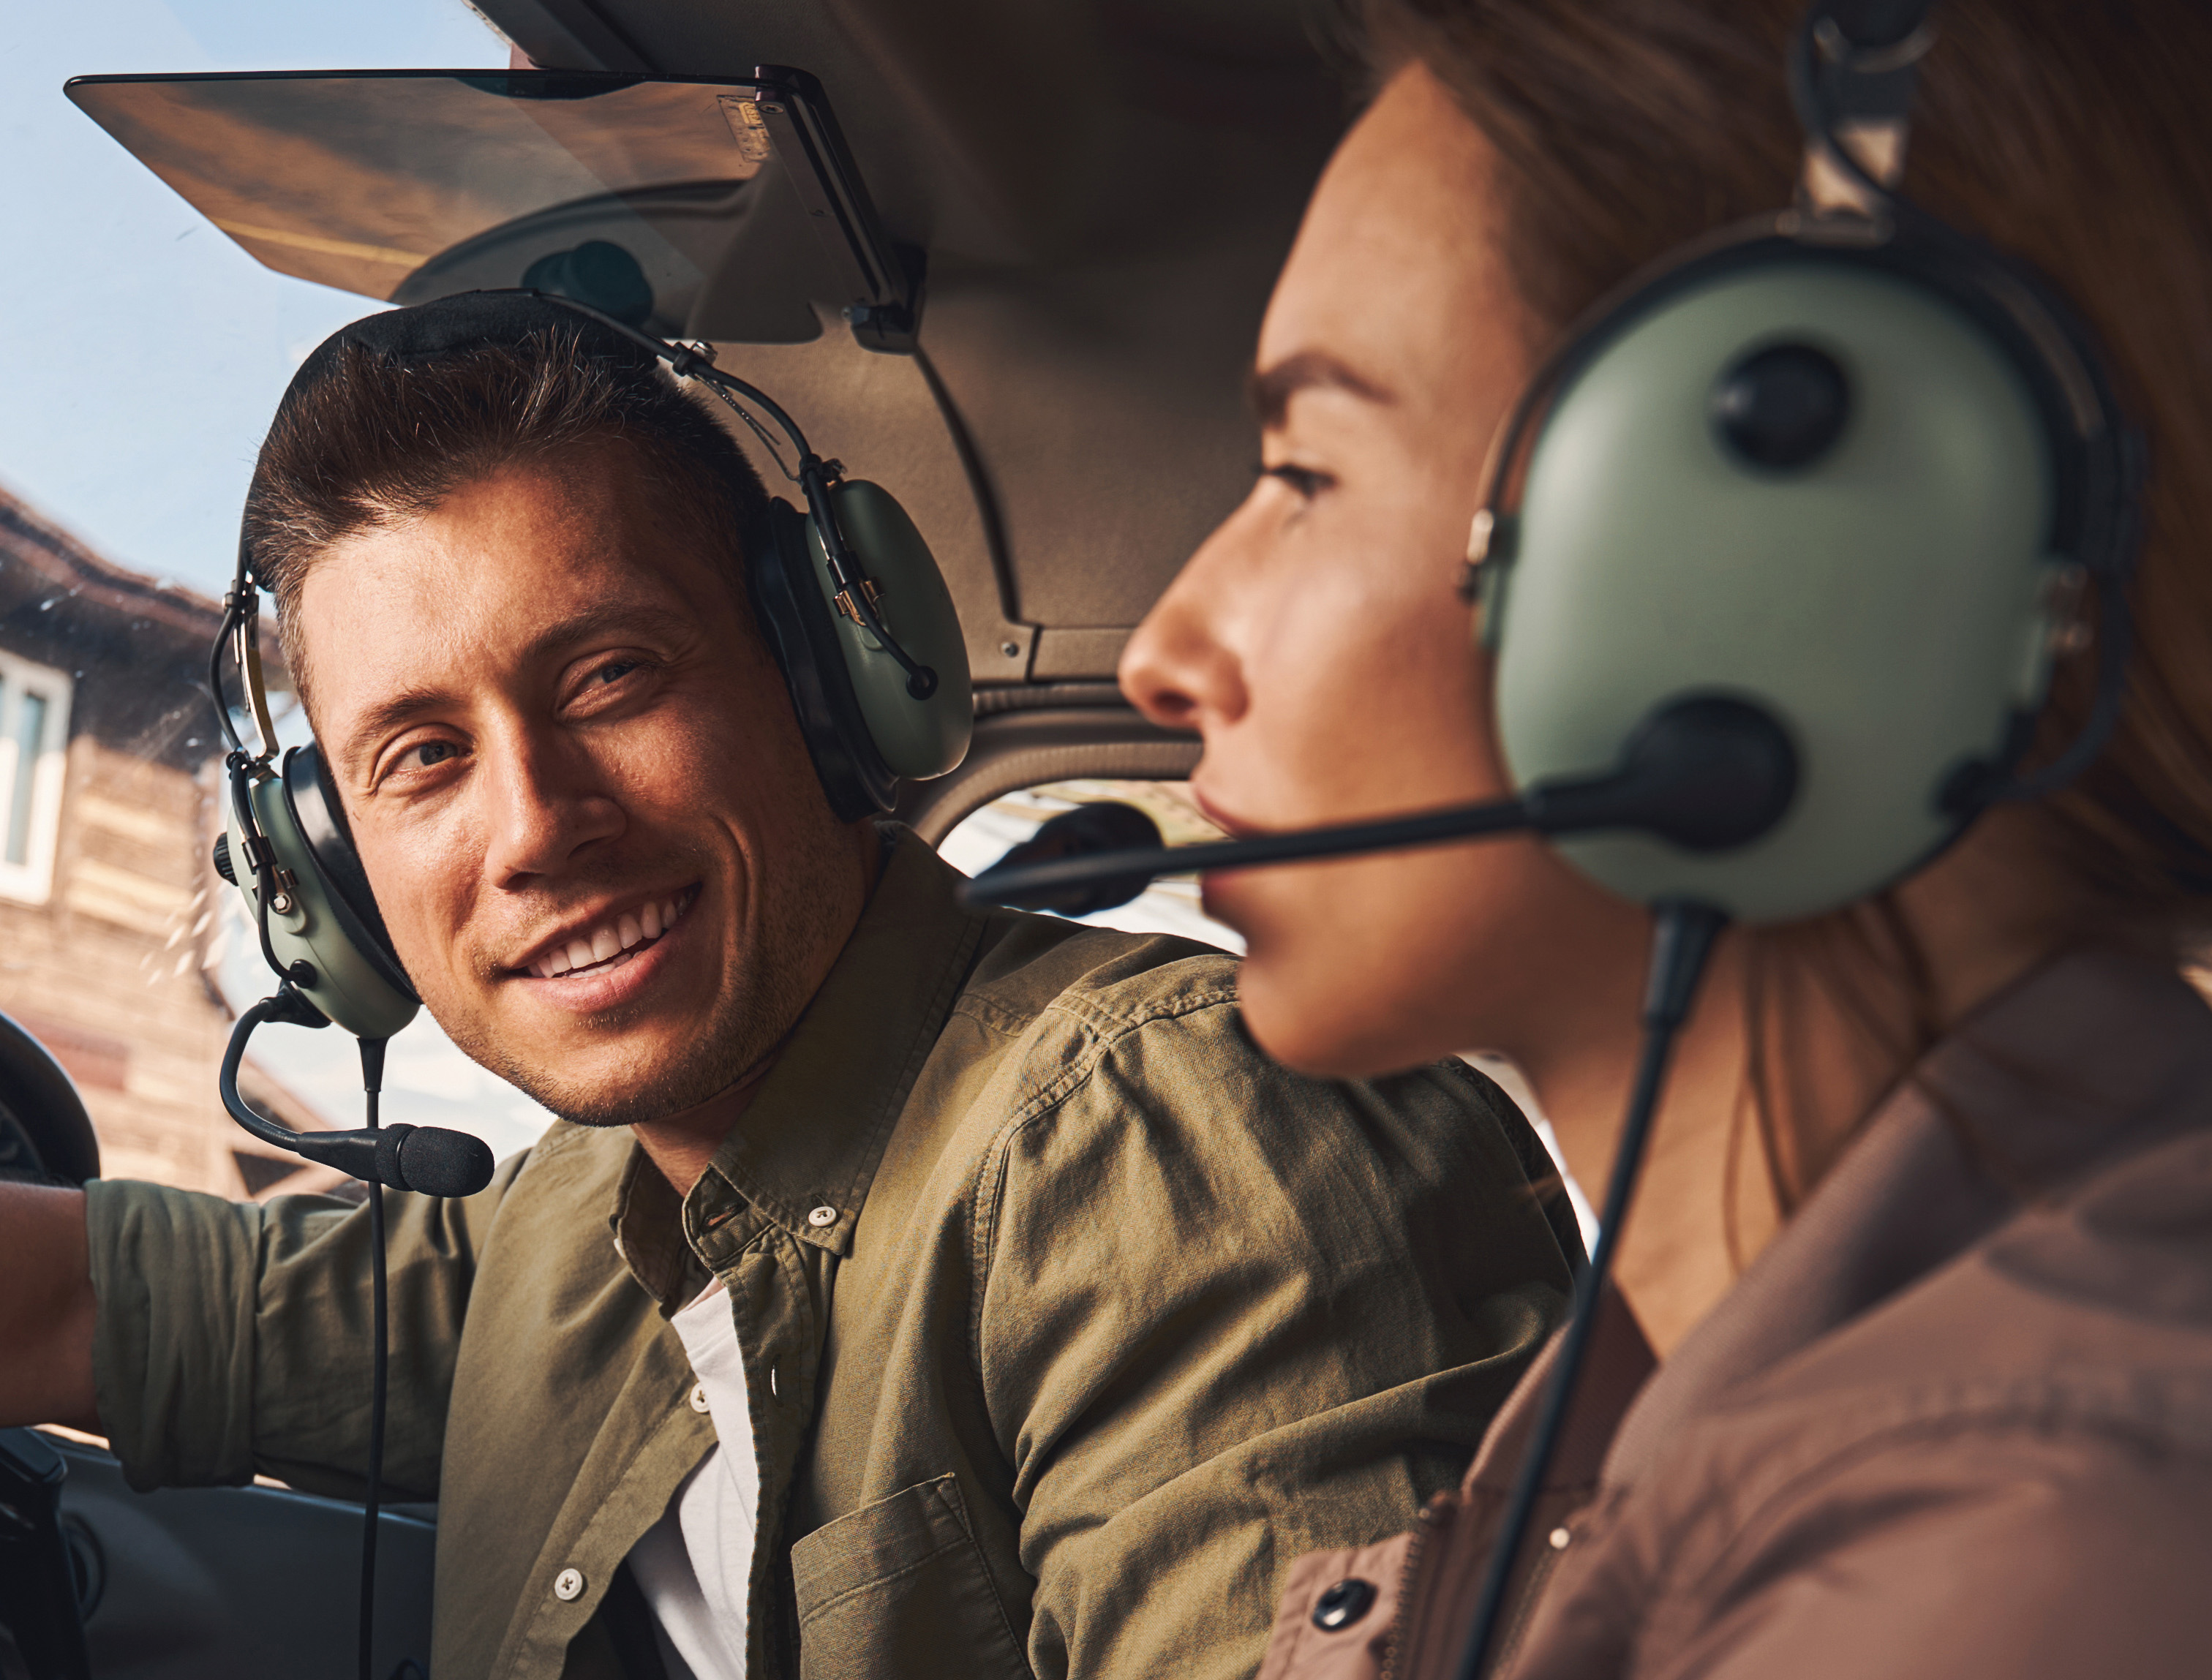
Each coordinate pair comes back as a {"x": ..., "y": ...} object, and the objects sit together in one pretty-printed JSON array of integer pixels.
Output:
[{"x": 453, "y": 326}]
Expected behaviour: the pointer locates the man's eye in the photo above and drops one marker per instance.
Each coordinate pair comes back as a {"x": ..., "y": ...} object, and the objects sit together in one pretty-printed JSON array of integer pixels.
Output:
[
  {"x": 616, "y": 669},
  {"x": 1305, "y": 483},
  {"x": 427, "y": 755}
]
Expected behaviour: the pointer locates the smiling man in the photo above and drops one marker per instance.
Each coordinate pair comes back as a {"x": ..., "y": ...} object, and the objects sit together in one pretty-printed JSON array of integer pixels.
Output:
[{"x": 904, "y": 1290}]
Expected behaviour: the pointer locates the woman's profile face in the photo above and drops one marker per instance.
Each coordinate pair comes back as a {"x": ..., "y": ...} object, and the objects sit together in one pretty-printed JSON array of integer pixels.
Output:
[{"x": 1317, "y": 643}]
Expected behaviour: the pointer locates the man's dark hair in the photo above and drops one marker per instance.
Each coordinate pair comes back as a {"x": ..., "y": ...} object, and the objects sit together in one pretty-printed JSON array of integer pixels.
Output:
[{"x": 394, "y": 413}]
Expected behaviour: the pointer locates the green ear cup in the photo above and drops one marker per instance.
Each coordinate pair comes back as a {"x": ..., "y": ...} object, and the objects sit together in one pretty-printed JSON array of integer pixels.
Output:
[
  {"x": 1887, "y": 602},
  {"x": 345, "y": 985},
  {"x": 916, "y": 739}
]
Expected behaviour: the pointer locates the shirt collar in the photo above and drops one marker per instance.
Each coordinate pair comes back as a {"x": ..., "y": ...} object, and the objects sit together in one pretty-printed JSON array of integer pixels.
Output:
[
  {"x": 804, "y": 1151},
  {"x": 648, "y": 1233}
]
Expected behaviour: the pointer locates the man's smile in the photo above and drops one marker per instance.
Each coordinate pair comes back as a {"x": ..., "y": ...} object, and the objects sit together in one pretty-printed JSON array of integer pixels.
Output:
[{"x": 606, "y": 940}]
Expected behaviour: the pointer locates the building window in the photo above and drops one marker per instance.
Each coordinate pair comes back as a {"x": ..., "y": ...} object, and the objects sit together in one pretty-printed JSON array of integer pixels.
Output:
[{"x": 34, "y": 704}]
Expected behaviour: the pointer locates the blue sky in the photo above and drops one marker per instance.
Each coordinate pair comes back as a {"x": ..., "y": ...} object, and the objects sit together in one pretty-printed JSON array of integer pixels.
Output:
[{"x": 141, "y": 352}]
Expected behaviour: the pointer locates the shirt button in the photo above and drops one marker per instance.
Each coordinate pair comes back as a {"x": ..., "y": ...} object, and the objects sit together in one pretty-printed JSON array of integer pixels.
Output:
[
  {"x": 568, "y": 1585},
  {"x": 698, "y": 1397},
  {"x": 822, "y": 1216},
  {"x": 1560, "y": 1538}
]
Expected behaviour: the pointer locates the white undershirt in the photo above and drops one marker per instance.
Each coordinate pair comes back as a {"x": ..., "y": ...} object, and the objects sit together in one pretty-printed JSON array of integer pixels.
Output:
[{"x": 696, "y": 1564}]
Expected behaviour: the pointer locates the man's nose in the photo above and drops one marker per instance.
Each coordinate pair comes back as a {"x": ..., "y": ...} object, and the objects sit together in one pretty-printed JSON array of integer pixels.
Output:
[
  {"x": 547, "y": 806},
  {"x": 1178, "y": 668}
]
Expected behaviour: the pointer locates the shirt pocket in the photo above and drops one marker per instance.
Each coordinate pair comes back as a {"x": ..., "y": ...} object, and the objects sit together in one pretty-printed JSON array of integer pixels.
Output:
[{"x": 900, "y": 1587}]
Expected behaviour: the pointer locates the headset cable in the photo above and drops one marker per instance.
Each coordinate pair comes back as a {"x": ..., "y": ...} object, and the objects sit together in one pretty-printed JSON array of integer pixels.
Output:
[
  {"x": 372, "y": 1080},
  {"x": 1682, "y": 938}
]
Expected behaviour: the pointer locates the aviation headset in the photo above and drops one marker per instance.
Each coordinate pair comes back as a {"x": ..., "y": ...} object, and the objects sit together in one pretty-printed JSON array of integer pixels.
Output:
[
  {"x": 875, "y": 703},
  {"x": 1844, "y": 466}
]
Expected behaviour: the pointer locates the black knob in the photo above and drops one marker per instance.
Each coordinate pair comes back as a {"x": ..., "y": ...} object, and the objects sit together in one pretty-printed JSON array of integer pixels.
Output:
[
  {"x": 598, "y": 274},
  {"x": 1343, "y": 1604},
  {"x": 1782, "y": 408},
  {"x": 222, "y": 865}
]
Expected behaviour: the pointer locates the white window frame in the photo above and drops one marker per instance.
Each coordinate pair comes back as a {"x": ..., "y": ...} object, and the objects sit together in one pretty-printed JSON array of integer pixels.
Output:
[{"x": 32, "y": 882}]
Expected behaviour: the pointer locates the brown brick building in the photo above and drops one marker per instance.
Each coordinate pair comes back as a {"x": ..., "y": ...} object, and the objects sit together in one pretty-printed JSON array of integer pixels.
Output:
[{"x": 109, "y": 923}]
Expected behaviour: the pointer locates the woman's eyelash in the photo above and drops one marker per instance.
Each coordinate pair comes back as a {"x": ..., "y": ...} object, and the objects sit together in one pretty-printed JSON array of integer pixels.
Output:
[{"x": 1305, "y": 482}]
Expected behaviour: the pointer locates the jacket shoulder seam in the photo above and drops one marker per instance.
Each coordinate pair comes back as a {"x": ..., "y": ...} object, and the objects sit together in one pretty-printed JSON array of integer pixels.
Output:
[{"x": 988, "y": 1203}]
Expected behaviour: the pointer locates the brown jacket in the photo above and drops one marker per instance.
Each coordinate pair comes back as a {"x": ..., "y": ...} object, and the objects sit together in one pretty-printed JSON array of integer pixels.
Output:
[{"x": 1955, "y": 1421}]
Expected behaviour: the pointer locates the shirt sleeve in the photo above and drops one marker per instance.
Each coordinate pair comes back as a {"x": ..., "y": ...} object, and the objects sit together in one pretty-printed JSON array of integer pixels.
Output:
[
  {"x": 232, "y": 1338},
  {"x": 1231, "y": 1315},
  {"x": 2039, "y": 1552}
]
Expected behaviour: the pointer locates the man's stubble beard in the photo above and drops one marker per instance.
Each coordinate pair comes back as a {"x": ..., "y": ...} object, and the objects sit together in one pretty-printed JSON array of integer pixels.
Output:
[{"x": 799, "y": 926}]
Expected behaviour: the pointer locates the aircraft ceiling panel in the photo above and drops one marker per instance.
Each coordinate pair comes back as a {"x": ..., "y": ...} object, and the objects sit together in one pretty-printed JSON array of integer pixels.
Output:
[{"x": 1104, "y": 189}]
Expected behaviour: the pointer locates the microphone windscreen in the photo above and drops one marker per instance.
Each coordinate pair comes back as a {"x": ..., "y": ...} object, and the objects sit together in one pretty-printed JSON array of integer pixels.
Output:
[
  {"x": 437, "y": 1163},
  {"x": 1104, "y": 825}
]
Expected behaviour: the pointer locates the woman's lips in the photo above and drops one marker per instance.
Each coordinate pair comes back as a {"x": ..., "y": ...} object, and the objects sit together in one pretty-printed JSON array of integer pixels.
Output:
[{"x": 1220, "y": 819}]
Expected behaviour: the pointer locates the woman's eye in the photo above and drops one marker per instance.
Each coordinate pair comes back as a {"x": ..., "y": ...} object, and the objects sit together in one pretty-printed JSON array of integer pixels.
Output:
[{"x": 1305, "y": 483}]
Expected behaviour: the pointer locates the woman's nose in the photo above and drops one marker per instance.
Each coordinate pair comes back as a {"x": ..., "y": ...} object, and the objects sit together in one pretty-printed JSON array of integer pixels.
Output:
[{"x": 1179, "y": 669}]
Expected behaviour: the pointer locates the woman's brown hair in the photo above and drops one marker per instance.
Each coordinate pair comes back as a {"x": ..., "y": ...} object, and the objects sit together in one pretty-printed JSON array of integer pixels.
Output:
[{"x": 2077, "y": 137}]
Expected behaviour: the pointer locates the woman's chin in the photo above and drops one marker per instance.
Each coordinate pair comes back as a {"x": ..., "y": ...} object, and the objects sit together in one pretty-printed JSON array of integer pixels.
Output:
[{"x": 1299, "y": 1008}]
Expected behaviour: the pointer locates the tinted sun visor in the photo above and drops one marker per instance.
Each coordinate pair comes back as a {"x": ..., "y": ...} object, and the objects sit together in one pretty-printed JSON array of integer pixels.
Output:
[{"x": 721, "y": 208}]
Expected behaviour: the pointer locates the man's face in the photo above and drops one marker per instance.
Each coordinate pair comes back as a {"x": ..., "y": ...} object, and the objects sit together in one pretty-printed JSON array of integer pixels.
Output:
[{"x": 578, "y": 788}]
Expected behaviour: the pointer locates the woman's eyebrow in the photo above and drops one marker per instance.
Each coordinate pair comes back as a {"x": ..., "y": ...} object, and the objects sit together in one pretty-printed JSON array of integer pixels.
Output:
[{"x": 1269, "y": 389}]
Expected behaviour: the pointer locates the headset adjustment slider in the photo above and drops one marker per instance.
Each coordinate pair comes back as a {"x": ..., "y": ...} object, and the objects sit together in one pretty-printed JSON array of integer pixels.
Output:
[{"x": 869, "y": 588}]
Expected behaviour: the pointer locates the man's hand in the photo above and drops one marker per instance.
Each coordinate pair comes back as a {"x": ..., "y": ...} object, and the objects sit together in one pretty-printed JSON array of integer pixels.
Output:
[{"x": 46, "y": 1308}]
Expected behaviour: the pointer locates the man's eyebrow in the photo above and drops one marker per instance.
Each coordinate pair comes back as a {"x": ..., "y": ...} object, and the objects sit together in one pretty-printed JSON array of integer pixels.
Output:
[
  {"x": 1269, "y": 389},
  {"x": 388, "y": 715},
  {"x": 403, "y": 705}
]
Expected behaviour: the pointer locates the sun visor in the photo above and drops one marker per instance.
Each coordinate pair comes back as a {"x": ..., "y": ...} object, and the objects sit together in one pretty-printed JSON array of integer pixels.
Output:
[{"x": 723, "y": 209}]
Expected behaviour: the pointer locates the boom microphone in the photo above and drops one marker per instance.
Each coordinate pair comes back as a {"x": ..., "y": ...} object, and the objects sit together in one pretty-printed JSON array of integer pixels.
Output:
[
  {"x": 429, "y": 1159},
  {"x": 1104, "y": 825},
  {"x": 1707, "y": 772}
]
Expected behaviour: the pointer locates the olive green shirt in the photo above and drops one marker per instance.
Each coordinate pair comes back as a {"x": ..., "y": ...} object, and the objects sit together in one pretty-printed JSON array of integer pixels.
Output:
[{"x": 1068, "y": 1321}]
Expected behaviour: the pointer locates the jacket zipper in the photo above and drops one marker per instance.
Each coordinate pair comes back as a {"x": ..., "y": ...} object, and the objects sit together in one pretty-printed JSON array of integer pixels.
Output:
[{"x": 1434, "y": 1517}]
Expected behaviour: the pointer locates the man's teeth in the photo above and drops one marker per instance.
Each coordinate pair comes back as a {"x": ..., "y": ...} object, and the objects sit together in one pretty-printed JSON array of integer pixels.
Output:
[{"x": 606, "y": 944}]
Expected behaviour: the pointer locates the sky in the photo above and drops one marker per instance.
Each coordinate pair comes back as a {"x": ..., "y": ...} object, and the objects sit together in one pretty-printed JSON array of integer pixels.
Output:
[{"x": 141, "y": 352}]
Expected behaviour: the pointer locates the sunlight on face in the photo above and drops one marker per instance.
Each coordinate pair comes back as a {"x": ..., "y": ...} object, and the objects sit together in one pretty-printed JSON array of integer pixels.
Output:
[
  {"x": 578, "y": 789},
  {"x": 1316, "y": 640}
]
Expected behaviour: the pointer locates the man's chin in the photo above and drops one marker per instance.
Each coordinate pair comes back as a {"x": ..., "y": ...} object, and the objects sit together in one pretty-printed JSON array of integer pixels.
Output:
[{"x": 644, "y": 1078}]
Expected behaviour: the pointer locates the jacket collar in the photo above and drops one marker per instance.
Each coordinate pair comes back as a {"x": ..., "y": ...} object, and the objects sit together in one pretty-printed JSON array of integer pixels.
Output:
[{"x": 2091, "y": 1057}]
